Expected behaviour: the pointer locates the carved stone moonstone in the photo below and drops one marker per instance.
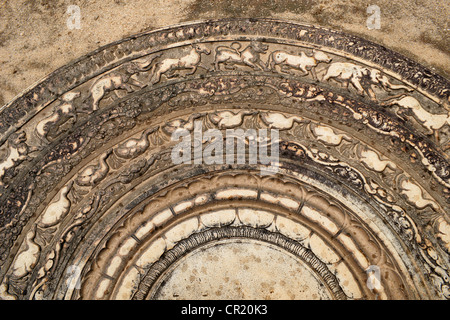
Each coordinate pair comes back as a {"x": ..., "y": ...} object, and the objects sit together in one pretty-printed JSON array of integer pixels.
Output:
[{"x": 93, "y": 207}]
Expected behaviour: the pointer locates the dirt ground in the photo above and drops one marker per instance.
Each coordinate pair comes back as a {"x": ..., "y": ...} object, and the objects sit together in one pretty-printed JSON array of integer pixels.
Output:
[{"x": 35, "y": 39}]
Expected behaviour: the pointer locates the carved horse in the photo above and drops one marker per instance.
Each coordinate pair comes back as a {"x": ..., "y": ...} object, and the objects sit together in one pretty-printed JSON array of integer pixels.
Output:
[{"x": 250, "y": 56}]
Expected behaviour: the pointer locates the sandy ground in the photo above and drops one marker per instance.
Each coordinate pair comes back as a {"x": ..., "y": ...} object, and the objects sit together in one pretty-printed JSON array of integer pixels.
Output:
[{"x": 35, "y": 39}]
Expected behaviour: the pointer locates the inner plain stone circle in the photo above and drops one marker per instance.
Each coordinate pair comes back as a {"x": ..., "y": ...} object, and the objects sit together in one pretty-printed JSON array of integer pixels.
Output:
[{"x": 240, "y": 269}]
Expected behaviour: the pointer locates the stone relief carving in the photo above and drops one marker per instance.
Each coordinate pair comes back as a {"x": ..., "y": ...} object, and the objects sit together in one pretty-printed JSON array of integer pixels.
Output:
[
  {"x": 279, "y": 121},
  {"x": 416, "y": 195},
  {"x": 64, "y": 109},
  {"x": 282, "y": 117},
  {"x": 432, "y": 122},
  {"x": 423, "y": 80},
  {"x": 229, "y": 119},
  {"x": 443, "y": 232},
  {"x": 229, "y": 218},
  {"x": 302, "y": 62},
  {"x": 337, "y": 134},
  {"x": 277, "y": 116},
  {"x": 190, "y": 61},
  {"x": 374, "y": 161},
  {"x": 188, "y": 124},
  {"x": 116, "y": 80},
  {"x": 134, "y": 147},
  {"x": 16, "y": 152},
  {"x": 362, "y": 79},
  {"x": 93, "y": 174},
  {"x": 328, "y": 136},
  {"x": 232, "y": 56},
  {"x": 58, "y": 209}
]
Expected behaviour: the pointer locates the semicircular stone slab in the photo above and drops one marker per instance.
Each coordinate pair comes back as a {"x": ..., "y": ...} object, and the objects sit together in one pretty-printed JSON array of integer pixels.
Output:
[{"x": 233, "y": 159}]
